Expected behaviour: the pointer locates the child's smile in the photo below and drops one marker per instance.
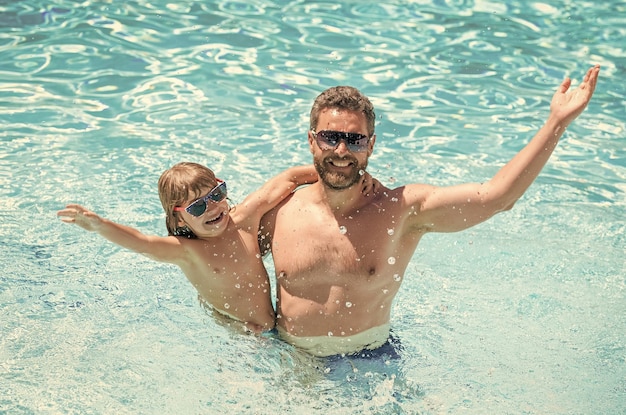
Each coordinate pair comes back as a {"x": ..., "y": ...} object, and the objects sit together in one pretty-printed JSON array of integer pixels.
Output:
[{"x": 215, "y": 219}]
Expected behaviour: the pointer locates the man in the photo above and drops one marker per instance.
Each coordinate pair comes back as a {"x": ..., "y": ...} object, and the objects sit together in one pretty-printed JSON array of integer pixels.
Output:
[{"x": 340, "y": 255}]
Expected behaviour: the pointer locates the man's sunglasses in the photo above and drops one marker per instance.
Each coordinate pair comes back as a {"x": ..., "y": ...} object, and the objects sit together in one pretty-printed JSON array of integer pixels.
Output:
[
  {"x": 198, "y": 207},
  {"x": 329, "y": 140}
]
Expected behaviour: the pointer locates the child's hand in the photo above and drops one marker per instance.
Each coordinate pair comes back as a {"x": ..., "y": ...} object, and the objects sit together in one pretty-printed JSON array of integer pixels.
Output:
[
  {"x": 80, "y": 216},
  {"x": 369, "y": 184}
]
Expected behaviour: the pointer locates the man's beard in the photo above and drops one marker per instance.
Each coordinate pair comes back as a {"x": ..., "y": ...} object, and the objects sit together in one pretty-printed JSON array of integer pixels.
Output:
[{"x": 338, "y": 180}]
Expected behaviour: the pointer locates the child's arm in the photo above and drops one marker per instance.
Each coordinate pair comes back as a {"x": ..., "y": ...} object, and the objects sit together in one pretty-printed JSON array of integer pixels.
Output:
[
  {"x": 278, "y": 188},
  {"x": 164, "y": 249},
  {"x": 369, "y": 185}
]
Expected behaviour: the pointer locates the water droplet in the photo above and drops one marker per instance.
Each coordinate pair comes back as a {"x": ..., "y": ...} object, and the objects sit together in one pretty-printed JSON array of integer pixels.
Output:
[
  {"x": 330, "y": 334},
  {"x": 342, "y": 230},
  {"x": 394, "y": 199},
  {"x": 391, "y": 260},
  {"x": 237, "y": 286},
  {"x": 397, "y": 277},
  {"x": 348, "y": 304},
  {"x": 390, "y": 231},
  {"x": 361, "y": 172},
  {"x": 385, "y": 291},
  {"x": 226, "y": 306}
]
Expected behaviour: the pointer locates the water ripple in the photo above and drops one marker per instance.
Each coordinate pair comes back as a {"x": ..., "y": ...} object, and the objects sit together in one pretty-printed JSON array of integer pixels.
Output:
[{"x": 98, "y": 98}]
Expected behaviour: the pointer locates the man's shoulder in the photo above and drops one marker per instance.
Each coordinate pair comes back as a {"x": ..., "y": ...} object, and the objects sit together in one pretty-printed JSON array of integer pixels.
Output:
[
  {"x": 302, "y": 195},
  {"x": 402, "y": 193}
]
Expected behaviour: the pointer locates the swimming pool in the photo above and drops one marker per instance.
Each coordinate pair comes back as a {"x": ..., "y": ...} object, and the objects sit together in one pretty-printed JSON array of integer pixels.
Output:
[{"x": 522, "y": 314}]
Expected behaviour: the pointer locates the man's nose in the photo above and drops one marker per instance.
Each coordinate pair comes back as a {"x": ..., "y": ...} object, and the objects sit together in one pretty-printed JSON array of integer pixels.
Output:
[{"x": 342, "y": 147}]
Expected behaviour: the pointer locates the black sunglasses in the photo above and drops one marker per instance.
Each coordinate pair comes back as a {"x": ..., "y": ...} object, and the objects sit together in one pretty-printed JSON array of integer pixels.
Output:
[{"x": 329, "y": 140}]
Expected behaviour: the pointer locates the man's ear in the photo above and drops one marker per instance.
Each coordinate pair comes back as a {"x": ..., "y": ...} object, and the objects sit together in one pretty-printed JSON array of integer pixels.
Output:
[{"x": 311, "y": 141}]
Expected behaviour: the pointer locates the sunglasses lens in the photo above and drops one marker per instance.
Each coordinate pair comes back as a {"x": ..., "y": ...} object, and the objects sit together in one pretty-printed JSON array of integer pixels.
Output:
[
  {"x": 328, "y": 140},
  {"x": 197, "y": 208},
  {"x": 219, "y": 193},
  {"x": 359, "y": 141}
]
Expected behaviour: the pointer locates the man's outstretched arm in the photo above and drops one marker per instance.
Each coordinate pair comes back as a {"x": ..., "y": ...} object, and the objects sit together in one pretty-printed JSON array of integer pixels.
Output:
[{"x": 454, "y": 208}]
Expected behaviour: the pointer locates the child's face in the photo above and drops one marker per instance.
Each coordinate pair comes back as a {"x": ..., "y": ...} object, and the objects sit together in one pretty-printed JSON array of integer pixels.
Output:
[{"x": 211, "y": 223}]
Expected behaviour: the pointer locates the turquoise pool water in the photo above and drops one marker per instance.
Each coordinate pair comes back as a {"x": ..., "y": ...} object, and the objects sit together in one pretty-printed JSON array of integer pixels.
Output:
[{"x": 524, "y": 314}]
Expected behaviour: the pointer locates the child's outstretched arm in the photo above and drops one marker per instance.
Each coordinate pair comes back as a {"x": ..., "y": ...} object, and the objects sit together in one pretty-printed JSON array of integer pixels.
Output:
[{"x": 164, "y": 249}]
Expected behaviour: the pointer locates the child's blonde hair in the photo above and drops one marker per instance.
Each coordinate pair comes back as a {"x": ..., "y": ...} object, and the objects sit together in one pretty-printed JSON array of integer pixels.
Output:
[{"x": 178, "y": 184}]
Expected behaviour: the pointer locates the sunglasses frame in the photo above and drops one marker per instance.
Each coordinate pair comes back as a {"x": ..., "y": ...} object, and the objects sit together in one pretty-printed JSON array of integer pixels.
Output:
[
  {"x": 221, "y": 184},
  {"x": 350, "y": 139}
]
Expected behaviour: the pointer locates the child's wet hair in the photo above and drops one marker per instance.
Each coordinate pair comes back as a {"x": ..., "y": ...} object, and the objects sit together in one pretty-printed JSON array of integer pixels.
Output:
[{"x": 180, "y": 183}]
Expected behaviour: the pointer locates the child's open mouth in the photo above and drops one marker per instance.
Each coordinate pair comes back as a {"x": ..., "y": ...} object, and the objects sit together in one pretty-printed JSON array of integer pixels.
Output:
[{"x": 214, "y": 220}]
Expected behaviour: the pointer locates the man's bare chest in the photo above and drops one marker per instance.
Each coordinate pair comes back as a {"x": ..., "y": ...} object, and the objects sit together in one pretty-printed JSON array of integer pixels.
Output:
[{"x": 343, "y": 244}]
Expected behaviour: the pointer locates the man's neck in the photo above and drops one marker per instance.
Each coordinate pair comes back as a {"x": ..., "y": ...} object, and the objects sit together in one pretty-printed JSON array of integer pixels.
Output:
[{"x": 340, "y": 201}]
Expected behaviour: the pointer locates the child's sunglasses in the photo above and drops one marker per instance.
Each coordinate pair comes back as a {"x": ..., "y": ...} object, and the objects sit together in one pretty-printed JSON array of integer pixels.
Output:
[
  {"x": 198, "y": 207},
  {"x": 329, "y": 140}
]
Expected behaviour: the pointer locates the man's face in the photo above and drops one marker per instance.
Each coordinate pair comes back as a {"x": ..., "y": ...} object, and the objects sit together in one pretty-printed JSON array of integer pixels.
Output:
[{"x": 340, "y": 168}]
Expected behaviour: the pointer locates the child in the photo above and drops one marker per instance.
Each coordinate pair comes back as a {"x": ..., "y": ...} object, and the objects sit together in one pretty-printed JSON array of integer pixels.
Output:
[{"x": 216, "y": 247}]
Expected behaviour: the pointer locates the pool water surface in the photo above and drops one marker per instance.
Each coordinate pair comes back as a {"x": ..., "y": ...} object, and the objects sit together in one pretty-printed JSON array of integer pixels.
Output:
[{"x": 523, "y": 314}]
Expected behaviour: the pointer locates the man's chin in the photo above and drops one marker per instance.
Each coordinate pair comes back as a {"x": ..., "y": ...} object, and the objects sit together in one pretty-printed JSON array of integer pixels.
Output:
[
  {"x": 338, "y": 179},
  {"x": 339, "y": 182}
]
